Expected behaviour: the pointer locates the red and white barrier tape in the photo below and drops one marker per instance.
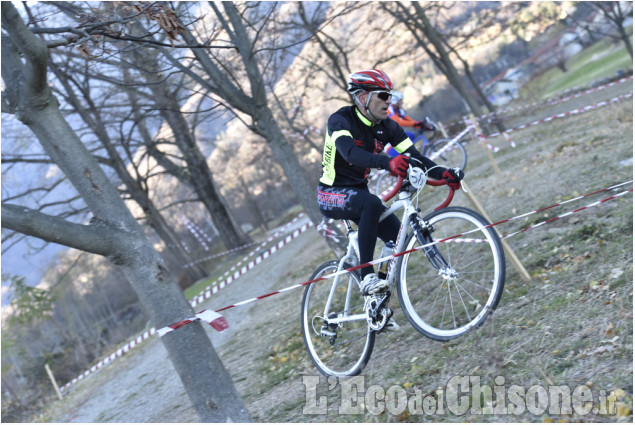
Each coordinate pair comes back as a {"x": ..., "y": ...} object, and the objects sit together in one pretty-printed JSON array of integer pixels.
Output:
[
  {"x": 209, "y": 291},
  {"x": 577, "y": 198},
  {"x": 480, "y": 136},
  {"x": 326, "y": 231},
  {"x": 217, "y": 321},
  {"x": 196, "y": 228},
  {"x": 193, "y": 230},
  {"x": 511, "y": 142},
  {"x": 451, "y": 238},
  {"x": 246, "y": 257},
  {"x": 541, "y": 104},
  {"x": 566, "y": 114},
  {"x": 229, "y": 251},
  {"x": 203, "y": 315},
  {"x": 553, "y": 101},
  {"x": 278, "y": 233}
]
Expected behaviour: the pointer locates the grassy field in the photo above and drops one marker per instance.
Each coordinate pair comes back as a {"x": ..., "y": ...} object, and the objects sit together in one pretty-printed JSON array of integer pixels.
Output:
[
  {"x": 570, "y": 326},
  {"x": 600, "y": 60}
]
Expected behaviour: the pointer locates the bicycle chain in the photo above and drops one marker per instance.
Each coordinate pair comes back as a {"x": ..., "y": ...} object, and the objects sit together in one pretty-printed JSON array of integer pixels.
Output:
[
  {"x": 355, "y": 338},
  {"x": 350, "y": 340}
]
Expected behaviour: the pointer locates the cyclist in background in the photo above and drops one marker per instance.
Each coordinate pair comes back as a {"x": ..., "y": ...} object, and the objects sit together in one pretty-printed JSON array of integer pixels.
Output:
[
  {"x": 398, "y": 114},
  {"x": 353, "y": 144}
]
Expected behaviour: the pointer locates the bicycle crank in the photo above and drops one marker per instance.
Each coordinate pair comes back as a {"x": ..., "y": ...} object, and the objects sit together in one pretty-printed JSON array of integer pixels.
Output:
[{"x": 377, "y": 311}]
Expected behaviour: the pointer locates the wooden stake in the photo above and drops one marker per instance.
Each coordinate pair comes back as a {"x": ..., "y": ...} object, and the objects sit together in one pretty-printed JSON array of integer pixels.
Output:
[
  {"x": 52, "y": 378},
  {"x": 443, "y": 130},
  {"x": 509, "y": 253},
  {"x": 477, "y": 129}
]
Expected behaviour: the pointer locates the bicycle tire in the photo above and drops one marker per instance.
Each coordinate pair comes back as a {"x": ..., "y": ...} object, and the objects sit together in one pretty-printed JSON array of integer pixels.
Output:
[
  {"x": 350, "y": 351},
  {"x": 476, "y": 275},
  {"x": 455, "y": 156},
  {"x": 384, "y": 182}
]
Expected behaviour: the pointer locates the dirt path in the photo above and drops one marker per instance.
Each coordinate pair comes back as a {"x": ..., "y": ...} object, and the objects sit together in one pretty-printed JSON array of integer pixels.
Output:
[{"x": 143, "y": 386}]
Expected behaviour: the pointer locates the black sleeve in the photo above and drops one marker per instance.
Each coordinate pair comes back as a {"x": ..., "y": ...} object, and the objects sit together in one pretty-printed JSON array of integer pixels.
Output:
[{"x": 358, "y": 156}]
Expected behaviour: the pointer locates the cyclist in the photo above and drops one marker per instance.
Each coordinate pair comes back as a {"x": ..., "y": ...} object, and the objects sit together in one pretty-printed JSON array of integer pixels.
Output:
[
  {"x": 398, "y": 114},
  {"x": 353, "y": 144}
]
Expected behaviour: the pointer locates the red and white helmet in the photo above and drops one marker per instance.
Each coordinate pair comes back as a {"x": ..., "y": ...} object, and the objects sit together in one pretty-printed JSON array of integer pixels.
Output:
[{"x": 369, "y": 80}]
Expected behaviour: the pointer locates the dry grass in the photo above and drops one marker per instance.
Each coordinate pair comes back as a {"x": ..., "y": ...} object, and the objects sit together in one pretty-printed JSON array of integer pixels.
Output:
[{"x": 572, "y": 325}]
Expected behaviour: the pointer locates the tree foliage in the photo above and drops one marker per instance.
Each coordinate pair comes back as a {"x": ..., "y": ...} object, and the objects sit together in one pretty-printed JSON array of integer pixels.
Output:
[{"x": 29, "y": 304}]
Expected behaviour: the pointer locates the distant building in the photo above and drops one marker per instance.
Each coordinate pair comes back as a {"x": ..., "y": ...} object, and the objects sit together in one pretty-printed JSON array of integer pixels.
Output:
[{"x": 503, "y": 88}]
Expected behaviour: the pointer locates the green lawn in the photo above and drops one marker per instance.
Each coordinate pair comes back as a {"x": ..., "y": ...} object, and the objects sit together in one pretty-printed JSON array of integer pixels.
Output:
[{"x": 598, "y": 61}]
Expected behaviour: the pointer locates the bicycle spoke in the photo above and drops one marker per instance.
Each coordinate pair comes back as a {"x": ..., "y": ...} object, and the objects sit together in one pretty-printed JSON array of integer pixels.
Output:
[
  {"x": 451, "y": 305},
  {"x": 337, "y": 347},
  {"x": 462, "y": 302},
  {"x": 476, "y": 284},
  {"x": 473, "y": 273}
]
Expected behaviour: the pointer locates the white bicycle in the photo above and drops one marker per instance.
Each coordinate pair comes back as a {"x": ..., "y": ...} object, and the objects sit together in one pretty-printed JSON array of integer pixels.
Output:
[{"x": 449, "y": 269}]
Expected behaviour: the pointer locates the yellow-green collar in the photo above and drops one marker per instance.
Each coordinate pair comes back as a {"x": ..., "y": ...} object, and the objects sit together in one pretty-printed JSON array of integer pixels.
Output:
[{"x": 363, "y": 118}]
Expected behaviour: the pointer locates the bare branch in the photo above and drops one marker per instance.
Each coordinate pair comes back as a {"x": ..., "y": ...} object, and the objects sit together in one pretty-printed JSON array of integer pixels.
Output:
[{"x": 97, "y": 237}]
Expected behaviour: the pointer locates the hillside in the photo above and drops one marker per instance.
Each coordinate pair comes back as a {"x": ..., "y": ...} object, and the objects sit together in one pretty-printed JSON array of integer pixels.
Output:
[{"x": 571, "y": 325}]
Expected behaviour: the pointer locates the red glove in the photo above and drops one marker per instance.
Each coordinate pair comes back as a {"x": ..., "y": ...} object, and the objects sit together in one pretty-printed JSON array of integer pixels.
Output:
[
  {"x": 453, "y": 177},
  {"x": 399, "y": 165}
]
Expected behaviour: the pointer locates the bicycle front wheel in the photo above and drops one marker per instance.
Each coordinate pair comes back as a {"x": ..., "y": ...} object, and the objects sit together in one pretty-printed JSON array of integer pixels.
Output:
[
  {"x": 334, "y": 326},
  {"x": 449, "y": 154},
  {"x": 384, "y": 182},
  {"x": 448, "y": 288}
]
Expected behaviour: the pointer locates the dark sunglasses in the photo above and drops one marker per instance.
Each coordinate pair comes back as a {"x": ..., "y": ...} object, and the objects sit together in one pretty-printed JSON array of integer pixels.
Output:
[{"x": 384, "y": 95}]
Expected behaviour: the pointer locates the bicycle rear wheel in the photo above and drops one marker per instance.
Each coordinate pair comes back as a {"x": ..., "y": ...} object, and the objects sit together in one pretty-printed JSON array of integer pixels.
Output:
[
  {"x": 449, "y": 154},
  {"x": 337, "y": 347},
  {"x": 450, "y": 287}
]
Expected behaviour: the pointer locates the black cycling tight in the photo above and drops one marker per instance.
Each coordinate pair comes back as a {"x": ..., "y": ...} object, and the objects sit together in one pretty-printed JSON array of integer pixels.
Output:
[{"x": 363, "y": 208}]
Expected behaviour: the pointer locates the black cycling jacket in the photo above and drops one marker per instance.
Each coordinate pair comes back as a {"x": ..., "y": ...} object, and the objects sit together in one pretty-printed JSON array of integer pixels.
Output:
[{"x": 353, "y": 145}]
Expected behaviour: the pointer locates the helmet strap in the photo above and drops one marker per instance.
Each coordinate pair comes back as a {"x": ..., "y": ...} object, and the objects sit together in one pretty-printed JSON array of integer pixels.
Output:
[{"x": 370, "y": 114}]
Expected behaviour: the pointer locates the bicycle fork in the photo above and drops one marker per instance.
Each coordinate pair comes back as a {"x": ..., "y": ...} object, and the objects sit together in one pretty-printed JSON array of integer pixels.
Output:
[{"x": 424, "y": 237}]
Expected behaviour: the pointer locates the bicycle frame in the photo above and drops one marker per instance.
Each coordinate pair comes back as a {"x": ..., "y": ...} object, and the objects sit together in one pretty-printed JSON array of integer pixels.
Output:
[{"x": 403, "y": 202}]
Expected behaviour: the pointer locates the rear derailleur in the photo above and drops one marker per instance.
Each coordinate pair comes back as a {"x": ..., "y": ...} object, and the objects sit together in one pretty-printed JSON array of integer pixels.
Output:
[{"x": 330, "y": 329}]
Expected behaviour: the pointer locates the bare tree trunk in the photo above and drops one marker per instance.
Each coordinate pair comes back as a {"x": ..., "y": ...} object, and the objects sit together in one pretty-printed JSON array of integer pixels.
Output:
[
  {"x": 136, "y": 187},
  {"x": 255, "y": 104},
  {"x": 468, "y": 73},
  {"x": 200, "y": 175},
  {"x": 253, "y": 205},
  {"x": 448, "y": 67},
  {"x": 113, "y": 232},
  {"x": 626, "y": 39},
  {"x": 417, "y": 23}
]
